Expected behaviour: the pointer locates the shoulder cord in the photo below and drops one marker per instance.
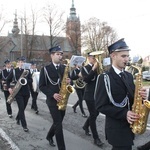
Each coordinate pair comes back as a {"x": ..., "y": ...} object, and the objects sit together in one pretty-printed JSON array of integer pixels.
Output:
[
  {"x": 108, "y": 90},
  {"x": 96, "y": 86},
  {"x": 50, "y": 80},
  {"x": 88, "y": 73},
  {"x": 4, "y": 78}
]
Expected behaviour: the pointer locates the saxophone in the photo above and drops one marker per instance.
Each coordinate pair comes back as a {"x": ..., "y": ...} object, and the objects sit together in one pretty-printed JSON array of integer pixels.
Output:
[
  {"x": 139, "y": 126},
  {"x": 22, "y": 81},
  {"x": 65, "y": 89}
]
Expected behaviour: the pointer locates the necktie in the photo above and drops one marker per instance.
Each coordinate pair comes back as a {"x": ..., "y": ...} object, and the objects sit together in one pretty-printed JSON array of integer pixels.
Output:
[
  {"x": 57, "y": 67},
  {"x": 124, "y": 79},
  {"x": 58, "y": 71}
]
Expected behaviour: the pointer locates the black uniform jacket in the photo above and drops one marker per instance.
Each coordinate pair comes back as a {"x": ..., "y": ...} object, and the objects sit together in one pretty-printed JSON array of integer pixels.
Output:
[
  {"x": 14, "y": 76},
  {"x": 50, "y": 88},
  {"x": 118, "y": 131},
  {"x": 4, "y": 74},
  {"x": 89, "y": 76}
]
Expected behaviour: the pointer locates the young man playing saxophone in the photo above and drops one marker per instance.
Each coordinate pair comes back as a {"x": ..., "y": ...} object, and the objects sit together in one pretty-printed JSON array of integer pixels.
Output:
[
  {"x": 114, "y": 98},
  {"x": 50, "y": 83}
]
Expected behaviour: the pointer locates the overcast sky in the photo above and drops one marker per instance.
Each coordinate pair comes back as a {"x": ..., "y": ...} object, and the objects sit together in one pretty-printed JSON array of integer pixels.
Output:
[{"x": 130, "y": 18}]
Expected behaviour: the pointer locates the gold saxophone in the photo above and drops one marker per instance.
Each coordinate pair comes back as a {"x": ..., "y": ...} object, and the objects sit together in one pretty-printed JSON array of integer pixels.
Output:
[
  {"x": 65, "y": 89},
  {"x": 139, "y": 126},
  {"x": 22, "y": 81}
]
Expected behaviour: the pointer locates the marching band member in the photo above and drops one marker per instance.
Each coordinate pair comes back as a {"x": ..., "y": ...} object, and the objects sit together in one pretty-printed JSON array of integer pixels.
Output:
[
  {"x": 23, "y": 94},
  {"x": 34, "y": 94},
  {"x": 89, "y": 74},
  {"x": 74, "y": 75},
  {"x": 3, "y": 76},
  {"x": 114, "y": 98},
  {"x": 50, "y": 80}
]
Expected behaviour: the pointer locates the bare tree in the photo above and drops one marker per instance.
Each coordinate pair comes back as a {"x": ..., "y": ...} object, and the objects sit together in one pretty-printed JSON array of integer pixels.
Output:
[
  {"x": 97, "y": 35},
  {"x": 29, "y": 31},
  {"x": 54, "y": 19}
]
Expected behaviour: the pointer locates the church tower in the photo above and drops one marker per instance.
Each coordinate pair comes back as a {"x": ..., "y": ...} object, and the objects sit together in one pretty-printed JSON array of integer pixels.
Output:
[
  {"x": 73, "y": 31},
  {"x": 15, "y": 29}
]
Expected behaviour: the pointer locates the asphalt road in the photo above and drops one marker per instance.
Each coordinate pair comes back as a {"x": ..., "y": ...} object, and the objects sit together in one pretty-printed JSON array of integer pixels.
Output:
[{"x": 14, "y": 138}]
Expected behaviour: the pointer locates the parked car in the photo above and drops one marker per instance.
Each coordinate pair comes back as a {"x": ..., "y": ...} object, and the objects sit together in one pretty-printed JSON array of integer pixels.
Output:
[{"x": 146, "y": 75}]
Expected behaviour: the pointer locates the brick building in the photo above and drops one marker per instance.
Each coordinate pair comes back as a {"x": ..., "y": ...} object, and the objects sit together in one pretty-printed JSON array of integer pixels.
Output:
[{"x": 15, "y": 44}]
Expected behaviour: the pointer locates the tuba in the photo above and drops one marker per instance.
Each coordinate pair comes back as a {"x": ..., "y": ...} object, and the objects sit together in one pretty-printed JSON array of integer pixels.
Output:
[
  {"x": 22, "y": 81},
  {"x": 139, "y": 126},
  {"x": 97, "y": 55},
  {"x": 65, "y": 89}
]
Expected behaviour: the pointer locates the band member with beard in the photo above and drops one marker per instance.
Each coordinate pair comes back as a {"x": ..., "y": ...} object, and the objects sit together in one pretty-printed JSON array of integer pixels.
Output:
[
  {"x": 50, "y": 84},
  {"x": 114, "y": 97},
  {"x": 3, "y": 76},
  {"x": 34, "y": 94},
  {"x": 89, "y": 74},
  {"x": 23, "y": 94}
]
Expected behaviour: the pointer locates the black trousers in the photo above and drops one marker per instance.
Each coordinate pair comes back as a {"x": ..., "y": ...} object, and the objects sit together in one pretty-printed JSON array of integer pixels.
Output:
[
  {"x": 122, "y": 148},
  {"x": 8, "y": 106},
  {"x": 91, "y": 120},
  {"x": 34, "y": 99},
  {"x": 80, "y": 93},
  {"x": 22, "y": 102},
  {"x": 56, "y": 128}
]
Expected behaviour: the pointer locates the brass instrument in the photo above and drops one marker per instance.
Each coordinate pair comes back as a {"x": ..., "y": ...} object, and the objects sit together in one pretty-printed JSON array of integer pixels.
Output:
[
  {"x": 79, "y": 83},
  {"x": 139, "y": 126},
  {"x": 147, "y": 103},
  {"x": 65, "y": 89},
  {"x": 22, "y": 81},
  {"x": 97, "y": 55}
]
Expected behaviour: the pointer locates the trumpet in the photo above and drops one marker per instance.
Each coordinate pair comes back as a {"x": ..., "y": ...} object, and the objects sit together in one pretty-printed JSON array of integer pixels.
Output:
[{"x": 98, "y": 58}]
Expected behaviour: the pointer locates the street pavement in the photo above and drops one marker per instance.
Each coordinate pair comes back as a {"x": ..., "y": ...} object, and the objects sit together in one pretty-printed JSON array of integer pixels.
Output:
[
  {"x": 12, "y": 136},
  {"x": 38, "y": 126}
]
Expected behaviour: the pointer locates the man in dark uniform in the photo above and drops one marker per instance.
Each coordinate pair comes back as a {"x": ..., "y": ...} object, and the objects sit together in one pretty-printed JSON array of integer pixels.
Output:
[
  {"x": 3, "y": 76},
  {"x": 50, "y": 83},
  {"x": 23, "y": 94},
  {"x": 114, "y": 99},
  {"x": 34, "y": 94},
  {"x": 89, "y": 74},
  {"x": 75, "y": 75}
]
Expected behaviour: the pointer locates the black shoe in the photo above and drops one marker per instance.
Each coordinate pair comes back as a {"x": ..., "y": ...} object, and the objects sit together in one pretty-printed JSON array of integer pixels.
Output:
[
  {"x": 87, "y": 132},
  {"x": 74, "y": 109},
  {"x": 25, "y": 129},
  {"x": 10, "y": 115},
  {"x": 98, "y": 142},
  {"x": 139, "y": 148},
  {"x": 51, "y": 142},
  {"x": 18, "y": 122},
  {"x": 36, "y": 111},
  {"x": 144, "y": 147},
  {"x": 84, "y": 115}
]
